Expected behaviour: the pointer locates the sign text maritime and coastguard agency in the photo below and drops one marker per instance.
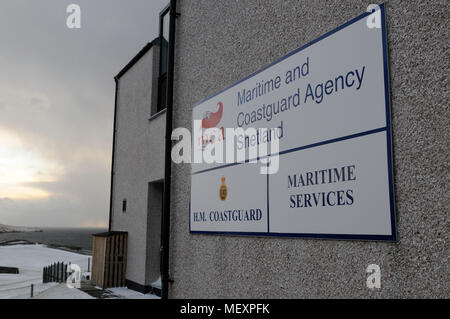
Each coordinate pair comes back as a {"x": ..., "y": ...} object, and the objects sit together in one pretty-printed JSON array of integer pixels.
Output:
[
  {"x": 313, "y": 92},
  {"x": 328, "y": 104}
]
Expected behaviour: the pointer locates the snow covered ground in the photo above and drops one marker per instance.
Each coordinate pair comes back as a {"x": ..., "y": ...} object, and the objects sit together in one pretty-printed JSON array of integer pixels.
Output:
[
  {"x": 30, "y": 259},
  {"x": 17, "y": 229},
  {"x": 61, "y": 291},
  {"x": 126, "y": 293}
]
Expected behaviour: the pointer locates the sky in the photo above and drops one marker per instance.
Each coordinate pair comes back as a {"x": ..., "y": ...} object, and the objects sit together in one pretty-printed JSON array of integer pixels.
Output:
[{"x": 57, "y": 105}]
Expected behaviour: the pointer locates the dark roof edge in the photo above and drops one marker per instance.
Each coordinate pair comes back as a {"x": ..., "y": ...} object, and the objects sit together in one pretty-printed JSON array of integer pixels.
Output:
[
  {"x": 137, "y": 57},
  {"x": 109, "y": 233}
]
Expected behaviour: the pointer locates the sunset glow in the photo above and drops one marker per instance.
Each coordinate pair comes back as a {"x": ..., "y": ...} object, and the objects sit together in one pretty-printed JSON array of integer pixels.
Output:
[{"x": 20, "y": 168}]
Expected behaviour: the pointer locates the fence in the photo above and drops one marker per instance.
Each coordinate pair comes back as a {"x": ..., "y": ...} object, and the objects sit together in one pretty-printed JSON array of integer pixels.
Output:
[{"x": 56, "y": 273}]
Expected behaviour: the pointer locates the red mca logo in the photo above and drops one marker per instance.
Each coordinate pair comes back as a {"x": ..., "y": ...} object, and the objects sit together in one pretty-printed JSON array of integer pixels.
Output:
[{"x": 210, "y": 119}]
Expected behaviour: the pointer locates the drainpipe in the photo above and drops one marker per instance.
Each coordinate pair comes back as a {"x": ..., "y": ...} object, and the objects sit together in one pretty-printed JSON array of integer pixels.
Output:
[
  {"x": 168, "y": 161},
  {"x": 112, "y": 163}
]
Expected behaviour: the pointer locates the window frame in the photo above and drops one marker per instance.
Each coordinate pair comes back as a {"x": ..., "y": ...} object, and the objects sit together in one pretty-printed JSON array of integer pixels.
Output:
[{"x": 162, "y": 77}]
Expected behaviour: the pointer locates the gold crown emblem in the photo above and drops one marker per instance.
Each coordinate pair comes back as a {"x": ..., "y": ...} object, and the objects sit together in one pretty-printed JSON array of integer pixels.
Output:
[{"x": 223, "y": 191}]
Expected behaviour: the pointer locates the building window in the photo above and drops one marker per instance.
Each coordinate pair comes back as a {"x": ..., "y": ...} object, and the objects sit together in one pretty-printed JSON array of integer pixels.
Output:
[
  {"x": 164, "y": 29},
  {"x": 124, "y": 206}
]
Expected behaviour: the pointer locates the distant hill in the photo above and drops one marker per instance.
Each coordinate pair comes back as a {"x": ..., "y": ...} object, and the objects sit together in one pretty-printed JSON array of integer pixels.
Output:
[{"x": 17, "y": 229}]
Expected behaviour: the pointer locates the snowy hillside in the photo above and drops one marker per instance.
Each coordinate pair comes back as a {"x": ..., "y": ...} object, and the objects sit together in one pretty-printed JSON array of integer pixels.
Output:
[
  {"x": 17, "y": 229},
  {"x": 30, "y": 259}
]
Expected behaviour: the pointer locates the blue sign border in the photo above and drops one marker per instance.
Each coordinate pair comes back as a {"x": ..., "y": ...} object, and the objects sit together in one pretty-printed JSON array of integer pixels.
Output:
[{"x": 388, "y": 129}]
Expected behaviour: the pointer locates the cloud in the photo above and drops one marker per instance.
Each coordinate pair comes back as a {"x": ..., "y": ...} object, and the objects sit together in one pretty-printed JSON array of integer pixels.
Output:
[{"x": 57, "y": 98}]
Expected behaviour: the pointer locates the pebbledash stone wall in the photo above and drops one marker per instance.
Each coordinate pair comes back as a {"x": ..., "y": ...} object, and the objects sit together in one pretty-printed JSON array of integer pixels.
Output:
[{"x": 218, "y": 43}]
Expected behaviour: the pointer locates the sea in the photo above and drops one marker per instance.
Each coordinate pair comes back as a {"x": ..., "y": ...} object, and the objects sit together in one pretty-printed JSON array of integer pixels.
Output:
[{"x": 76, "y": 239}]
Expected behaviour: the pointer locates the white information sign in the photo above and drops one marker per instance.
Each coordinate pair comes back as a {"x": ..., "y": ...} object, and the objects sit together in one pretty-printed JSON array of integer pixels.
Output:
[{"x": 328, "y": 105}]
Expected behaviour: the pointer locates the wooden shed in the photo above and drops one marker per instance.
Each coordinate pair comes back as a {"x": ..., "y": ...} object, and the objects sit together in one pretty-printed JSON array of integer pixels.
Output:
[{"x": 109, "y": 260}]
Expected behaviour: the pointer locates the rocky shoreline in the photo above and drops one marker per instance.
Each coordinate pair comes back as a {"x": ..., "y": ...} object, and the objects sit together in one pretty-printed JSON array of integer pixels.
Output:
[{"x": 17, "y": 229}]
